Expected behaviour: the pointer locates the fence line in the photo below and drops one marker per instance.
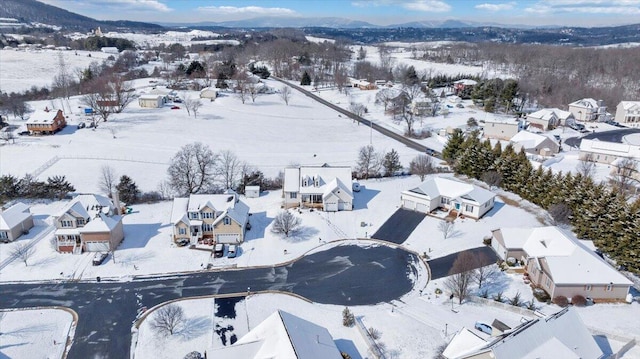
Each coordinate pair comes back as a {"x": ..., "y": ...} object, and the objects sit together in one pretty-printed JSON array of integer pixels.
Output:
[
  {"x": 374, "y": 349},
  {"x": 55, "y": 159}
]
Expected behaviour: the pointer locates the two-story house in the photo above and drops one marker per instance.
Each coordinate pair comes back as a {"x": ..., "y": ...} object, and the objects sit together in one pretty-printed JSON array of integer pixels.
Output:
[
  {"x": 88, "y": 223},
  {"x": 209, "y": 218},
  {"x": 323, "y": 187},
  {"x": 628, "y": 113},
  {"x": 588, "y": 109},
  {"x": 46, "y": 122},
  {"x": 549, "y": 118}
]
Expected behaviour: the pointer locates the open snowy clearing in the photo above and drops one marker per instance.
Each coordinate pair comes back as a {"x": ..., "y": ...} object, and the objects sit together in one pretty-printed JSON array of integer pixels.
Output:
[{"x": 34, "y": 333}]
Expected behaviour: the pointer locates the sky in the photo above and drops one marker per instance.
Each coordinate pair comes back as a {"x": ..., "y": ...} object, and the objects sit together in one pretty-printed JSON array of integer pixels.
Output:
[{"x": 585, "y": 13}]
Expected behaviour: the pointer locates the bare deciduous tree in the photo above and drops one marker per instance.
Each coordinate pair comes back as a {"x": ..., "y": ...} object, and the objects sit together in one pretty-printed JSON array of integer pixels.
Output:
[
  {"x": 286, "y": 223},
  {"x": 625, "y": 177},
  {"x": 108, "y": 179},
  {"x": 368, "y": 162},
  {"x": 285, "y": 94},
  {"x": 123, "y": 93},
  {"x": 229, "y": 168},
  {"x": 9, "y": 136},
  {"x": 461, "y": 276},
  {"x": 484, "y": 273},
  {"x": 358, "y": 109},
  {"x": 253, "y": 90},
  {"x": 192, "y": 105},
  {"x": 168, "y": 319},
  {"x": 446, "y": 228},
  {"x": 587, "y": 166},
  {"x": 23, "y": 252},
  {"x": 192, "y": 169},
  {"x": 492, "y": 178},
  {"x": 559, "y": 214},
  {"x": 421, "y": 165}
]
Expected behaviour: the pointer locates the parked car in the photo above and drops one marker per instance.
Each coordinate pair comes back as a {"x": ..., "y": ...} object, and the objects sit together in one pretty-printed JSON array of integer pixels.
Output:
[
  {"x": 182, "y": 242},
  {"x": 460, "y": 105},
  {"x": 218, "y": 250},
  {"x": 485, "y": 328},
  {"x": 24, "y": 133},
  {"x": 81, "y": 125},
  {"x": 99, "y": 257},
  {"x": 232, "y": 252},
  {"x": 175, "y": 107}
]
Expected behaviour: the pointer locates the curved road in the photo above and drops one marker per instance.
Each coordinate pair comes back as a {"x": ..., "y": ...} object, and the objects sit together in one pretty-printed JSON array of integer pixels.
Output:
[
  {"x": 343, "y": 275},
  {"x": 609, "y": 136},
  {"x": 404, "y": 140}
]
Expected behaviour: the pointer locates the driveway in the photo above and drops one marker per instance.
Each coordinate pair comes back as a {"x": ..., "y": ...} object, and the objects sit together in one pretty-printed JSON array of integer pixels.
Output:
[
  {"x": 609, "y": 136},
  {"x": 440, "y": 267},
  {"x": 344, "y": 275},
  {"x": 399, "y": 226}
]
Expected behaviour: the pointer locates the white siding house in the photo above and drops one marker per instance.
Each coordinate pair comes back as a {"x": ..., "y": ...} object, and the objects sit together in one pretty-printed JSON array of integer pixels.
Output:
[
  {"x": 466, "y": 199},
  {"x": 628, "y": 114},
  {"x": 588, "y": 109},
  {"x": 324, "y": 187},
  {"x": 151, "y": 101}
]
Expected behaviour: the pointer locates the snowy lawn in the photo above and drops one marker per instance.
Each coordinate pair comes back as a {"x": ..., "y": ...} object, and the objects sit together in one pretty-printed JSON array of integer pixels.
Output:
[{"x": 34, "y": 333}]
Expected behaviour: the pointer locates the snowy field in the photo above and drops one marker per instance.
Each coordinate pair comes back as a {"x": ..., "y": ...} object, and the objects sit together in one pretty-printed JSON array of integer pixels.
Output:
[{"x": 35, "y": 333}]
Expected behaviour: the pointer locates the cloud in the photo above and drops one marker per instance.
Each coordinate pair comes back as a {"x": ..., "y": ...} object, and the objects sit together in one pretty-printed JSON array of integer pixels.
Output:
[
  {"x": 132, "y": 5},
  {"x": 607, "y": 7},
  {"x": 496, "y": 7},
  {"x": 416, "y": 5},
  {"x": 249, "y": 10}
]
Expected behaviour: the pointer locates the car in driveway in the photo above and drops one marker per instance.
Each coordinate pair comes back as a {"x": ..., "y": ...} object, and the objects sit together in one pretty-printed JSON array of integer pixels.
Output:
[
  {"x": 232, "y": 252},
  {"x": 99, "y": 257},
  {"x": 218, "y": 250},
  {"x": 485, "y": 328}
]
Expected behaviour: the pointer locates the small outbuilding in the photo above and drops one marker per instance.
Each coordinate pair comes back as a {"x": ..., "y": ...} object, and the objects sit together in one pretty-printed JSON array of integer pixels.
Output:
[
  {"x": 252, "y": 191},
  {"x": 209, "y": 93},
  {"x": 151, "y": 101}
]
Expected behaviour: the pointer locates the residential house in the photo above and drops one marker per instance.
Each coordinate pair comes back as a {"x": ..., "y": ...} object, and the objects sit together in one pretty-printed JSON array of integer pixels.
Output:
[
  {"x": 458, "y": 197},
  {"x": 534, "y": 143},
  {"x": 209, "y": 93},
  {"x": 502, "y": 130},
  {"x": 464, "y": 85},
  {"x": 560, "y": 335},
  {"x": 607, "y": 152},
  {"x": 558, "y": 263},
  {"x": 46, "y": 122},
  {"x": 628, "y": 114},
  {"x": 209, "y": 218},
  {"x": 362, "y": 84},
  {"x": 588, "y": 109},
  {"x": 14, "y": 222},
  {"x": 151, "y": 100},
  {"x": 550, "y": 118},
  {"x": 88, "y": 223},
  {"x": 281, "y": 335},
  {"x": 323, "y": 187}
]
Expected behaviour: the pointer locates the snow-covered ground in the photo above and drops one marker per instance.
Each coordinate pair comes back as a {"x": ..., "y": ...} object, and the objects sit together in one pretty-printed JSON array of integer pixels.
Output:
[{"x": 35, "y": 333}]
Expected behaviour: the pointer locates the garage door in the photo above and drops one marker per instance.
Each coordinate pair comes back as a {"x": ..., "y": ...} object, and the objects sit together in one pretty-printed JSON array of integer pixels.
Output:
[
  {"x": 408, "y": 204},
  {"x": 96, "y": 246},
  {"x": 331, "y": 206},
  {"x": 421, "y": 207},
  {"x": 227, "y": 238}
]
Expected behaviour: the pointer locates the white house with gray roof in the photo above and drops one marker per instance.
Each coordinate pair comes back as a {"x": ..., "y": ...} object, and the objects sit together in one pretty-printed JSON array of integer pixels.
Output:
[
  {"x": 440, "y": 192},
  {"x": 323, "y": 187},
  {"x": 15, "y": 221},
  {"x": 209, "y": 218}
]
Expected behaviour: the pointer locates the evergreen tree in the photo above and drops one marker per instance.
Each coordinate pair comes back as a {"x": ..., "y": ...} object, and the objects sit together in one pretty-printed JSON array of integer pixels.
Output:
[
  {"x": 128, "y": 190},
  {"x": 9, "y": 188},
  {"x": 410, "y": 77},
  {"x": 454, "y": 146},
  {"x": 58, "y": 187},
  {"x": 306, "y": 79},
  {"x": 391, "y": 163}
]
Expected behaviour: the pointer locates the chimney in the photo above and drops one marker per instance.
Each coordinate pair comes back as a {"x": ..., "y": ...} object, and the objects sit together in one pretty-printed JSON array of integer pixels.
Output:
[{"x": 116, "y": 202}]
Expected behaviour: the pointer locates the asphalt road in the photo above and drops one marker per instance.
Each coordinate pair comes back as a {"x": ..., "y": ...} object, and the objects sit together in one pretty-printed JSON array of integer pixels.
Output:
[
  {"x": 440, "y": 267},
  {"x": 609, "y": 136},
  {"x": 399, "y": 226},
  {"x": 344, "y": 275}
]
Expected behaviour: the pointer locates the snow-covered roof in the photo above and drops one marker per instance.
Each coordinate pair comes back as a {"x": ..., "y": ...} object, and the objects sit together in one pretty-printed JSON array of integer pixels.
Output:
[
  {"x": 239, "y": 212},
  {"x": 89, "y": 205},
  {"x": 610, "y": 148},
  {"x": 325, "y": 175},
  {"x": 42, "y": 116},
  {"x": 14, "y": 215},
  {"x": 100, "y": 224},
  {"x": 179, "y": 209},
  {"x": 628, "y": 105},
  {"x": 150, "y": 97},
  {"x": 223, "y": 204},
  {"x": 561, "y": 335},
  {"x": 439, "y": 186},
  {"x": 282, "y": 335},
  {"x": 464, "y": 341},
  {"x": 528, "y": 139},
  {"x": 466, "y": 82},
  {"x": 567, "y": 259},
  {"x": 336, "y": 184},
  {"x": 548, "y": 114},
  {"x": 586, "y": 103}
]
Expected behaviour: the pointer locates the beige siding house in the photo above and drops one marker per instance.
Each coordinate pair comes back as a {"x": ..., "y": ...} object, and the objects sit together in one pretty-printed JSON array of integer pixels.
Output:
[
  {"x": 458, "y": 197},
  {"x": 14, "y": 222},
  {"x": 534, "y": 143},
  {"x": 628, "y": 114},
  {"x": 89, "y": 223},
  {"x": 588, "y": 109},
  {"x": 210, "y": 218},
  {"x": 151, "y": 101},
  {"x": 323, "y": 187},
  {"x": 558, "y": 263},
  {"x": 500, "y": 130},
  {"x": 549, "y": 118}
]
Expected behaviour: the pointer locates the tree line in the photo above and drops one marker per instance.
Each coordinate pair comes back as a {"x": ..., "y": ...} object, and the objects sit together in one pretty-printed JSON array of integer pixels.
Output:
[{"x": 596, "y": 211}]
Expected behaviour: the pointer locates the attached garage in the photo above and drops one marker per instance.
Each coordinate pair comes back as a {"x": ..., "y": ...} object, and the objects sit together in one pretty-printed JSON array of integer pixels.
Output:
[
  {"x": 100, "y": 246},
  {"x": 331, "y": 206},
  {"x": 421, "y": 207},
  {"x": 228, "y": 238},
  {"x": 408, "y": 204},
  {"x": 416, "y": 202}
]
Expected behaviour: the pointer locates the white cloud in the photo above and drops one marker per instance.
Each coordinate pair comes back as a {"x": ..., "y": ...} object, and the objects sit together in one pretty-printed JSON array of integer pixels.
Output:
[
  {"x": 96, "y": 5},
  {"x": 496, "y": 7},
  {"x": 249, "y": 10},
  {"x": 625, "y": 7},
  {"x": 427, "y": 6}
]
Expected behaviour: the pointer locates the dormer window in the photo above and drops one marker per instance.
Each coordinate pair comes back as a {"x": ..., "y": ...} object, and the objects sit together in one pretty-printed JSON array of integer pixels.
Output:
[{"x": 227, "y": 220}]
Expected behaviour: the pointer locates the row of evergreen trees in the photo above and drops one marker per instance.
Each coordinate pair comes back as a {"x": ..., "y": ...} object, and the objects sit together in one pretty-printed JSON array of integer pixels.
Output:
[
  {"x": 598, "y": 212},
  {"x": 29, "y": 187}
]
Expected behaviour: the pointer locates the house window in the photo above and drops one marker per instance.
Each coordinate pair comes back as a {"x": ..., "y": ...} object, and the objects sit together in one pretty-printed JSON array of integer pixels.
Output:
[
  {"x": 548, "y": 283},
  {"x": 207, "y": 215},
  {"x": 80, "y": 221},
  {"x": 293, "y": 195},
  {"x": 609, "y": 287},
  {"x": 4, "y": 235},
  {"x": 66, "y": 223},
  {"x": 468, "y": 208},
  {"x": 193, "y": 215},
  {"x": 444, "y": 200},
  {"x": 206, "y": 227},
  {"x": 182, "y": 231},
  {"x": 227, "y": 220},
  {"x": 587, "y": 287}
]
